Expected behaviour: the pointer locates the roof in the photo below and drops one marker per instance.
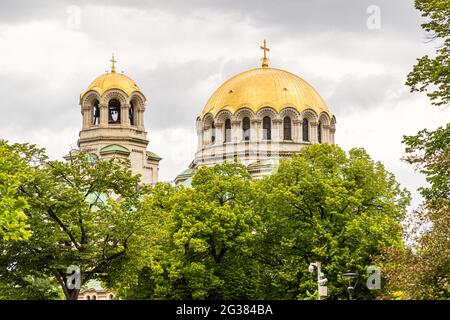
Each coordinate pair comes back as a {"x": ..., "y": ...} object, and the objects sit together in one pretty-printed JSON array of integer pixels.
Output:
[
  {"x": 113, "y": 80},
  {"x": 261, "y": 87},
  {"x": 114, "y": 148},
  {"x": 153, "y": 155}
]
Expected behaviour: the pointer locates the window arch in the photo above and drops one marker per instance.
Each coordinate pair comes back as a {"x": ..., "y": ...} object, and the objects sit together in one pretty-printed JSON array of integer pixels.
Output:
[
  {"x": 319, "y": 132},
  {"x": 227, "y": 130},
  {"x": 305, "y": 129},
  {"x": 132, "y": 113},
  {"x": 95, "y": 113},
  {"x": 213, "y": 132},
  {"x": 246, "y": 128},
  {"x": 114, "y": 111},
  {"x": 287, "y": 128},
  {"x": 267, "y": 128},
  {"x": 88, "y": 297}
]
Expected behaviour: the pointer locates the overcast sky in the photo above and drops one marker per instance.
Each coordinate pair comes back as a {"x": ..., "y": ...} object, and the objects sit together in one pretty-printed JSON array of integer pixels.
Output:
[{"x": 179, "y": 52}]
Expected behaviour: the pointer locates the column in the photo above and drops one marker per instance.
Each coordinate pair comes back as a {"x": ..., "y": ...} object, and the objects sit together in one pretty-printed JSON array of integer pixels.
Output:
[
  {"x": 297, "y": 130},
  {"x": 277, "y": 133},
  {"x": 236, "y": 133},
  {"x": 313, "y": 132},
  {"x": 103, "y": 115},
  {"x": 124, "y": 114}
]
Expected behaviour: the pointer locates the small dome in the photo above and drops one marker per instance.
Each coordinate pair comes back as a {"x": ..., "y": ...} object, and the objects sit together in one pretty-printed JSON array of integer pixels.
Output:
[
  {"x": 113, "y": 80},
  {"x": 262, "y": 87}
]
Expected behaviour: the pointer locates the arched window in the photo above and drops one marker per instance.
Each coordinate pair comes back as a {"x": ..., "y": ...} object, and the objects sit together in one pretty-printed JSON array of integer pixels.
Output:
[
  {"x": 267, "y": 128},
  {"x": 246, "y": 128},
  {"x": 111, "y": 297},
  {"x": 114, "y": 111},
  {"x": 227, "y": 130},
  {"x": 131, "y": 113},
  {"x": 95, "y": 113},
  {"x": 94, "y": 297},
  {"x": 213, "y": 132},
  {"x": 305, "y": 130},
  {"x": 319, "y": 132},
  {"x": 287, "y": 128},
  {"x": 88, "y": 297}
]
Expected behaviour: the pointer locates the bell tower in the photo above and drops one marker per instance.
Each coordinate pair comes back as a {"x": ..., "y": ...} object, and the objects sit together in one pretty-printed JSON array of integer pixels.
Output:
[{"x": 112, "y": 109}]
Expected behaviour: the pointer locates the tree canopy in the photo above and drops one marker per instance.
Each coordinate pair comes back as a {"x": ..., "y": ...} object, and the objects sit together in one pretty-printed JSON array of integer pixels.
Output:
[
  {"x": 432, "y": 74},
  {"x": 81, "y": 213},
  {"x": 229, "y": 237}
]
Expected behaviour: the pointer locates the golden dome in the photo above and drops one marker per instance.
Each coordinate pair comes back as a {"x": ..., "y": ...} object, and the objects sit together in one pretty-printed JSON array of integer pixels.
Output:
[
  {"x": 262, "y": 87},
  {"x": 113, "y": 80}
]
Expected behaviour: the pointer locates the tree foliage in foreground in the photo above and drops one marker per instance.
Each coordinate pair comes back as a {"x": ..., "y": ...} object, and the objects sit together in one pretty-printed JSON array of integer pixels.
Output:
[
  {"x": 432, "y": 74},
  {"x": 201, "y": 239},
  {"x": 228, "y": 237},
  {"x": 422, "y": 271},
  {"x": 328, "y": 206},
  {"x": 82, "y": 213},
  {"x": 13, "y": 172}
]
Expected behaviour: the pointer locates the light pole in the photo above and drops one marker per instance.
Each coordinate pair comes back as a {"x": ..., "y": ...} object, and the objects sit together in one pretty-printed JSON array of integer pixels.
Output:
[
  {"x": 351, "y": 287},
  {"x": 321, "y": 280}
]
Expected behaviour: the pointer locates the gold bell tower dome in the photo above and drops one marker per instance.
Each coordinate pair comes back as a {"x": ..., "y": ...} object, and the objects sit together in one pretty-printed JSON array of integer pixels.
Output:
[{"x": 112, "y": 109}]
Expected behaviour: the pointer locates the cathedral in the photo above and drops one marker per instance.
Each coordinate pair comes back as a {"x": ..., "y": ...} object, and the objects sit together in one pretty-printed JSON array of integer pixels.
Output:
[{"x": 256, "y": 118}]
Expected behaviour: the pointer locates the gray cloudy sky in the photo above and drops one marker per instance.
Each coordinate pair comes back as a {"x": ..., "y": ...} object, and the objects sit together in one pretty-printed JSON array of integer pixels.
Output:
[{"x": 180, "y": 51}]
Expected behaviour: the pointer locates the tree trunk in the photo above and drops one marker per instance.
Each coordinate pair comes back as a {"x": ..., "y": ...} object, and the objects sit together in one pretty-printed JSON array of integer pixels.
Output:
[{"x": 71, "y": 294}]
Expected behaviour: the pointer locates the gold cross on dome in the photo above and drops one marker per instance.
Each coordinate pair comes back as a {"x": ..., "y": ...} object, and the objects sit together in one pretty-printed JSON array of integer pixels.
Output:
[
  {"x": 113, "y": 66},
  {"x": 265, "y": 62}
]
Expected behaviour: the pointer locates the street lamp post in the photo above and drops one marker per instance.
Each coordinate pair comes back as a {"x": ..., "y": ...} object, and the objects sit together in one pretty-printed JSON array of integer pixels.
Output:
[
  {"x": 321, "y": 280},
  {"x": 351, "y": 287}
]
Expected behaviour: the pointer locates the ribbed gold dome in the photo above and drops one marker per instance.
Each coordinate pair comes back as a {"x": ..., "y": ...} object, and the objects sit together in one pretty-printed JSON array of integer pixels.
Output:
[
  {"x": 261, "y": 87},
  {"x": 113, "y": 80}
]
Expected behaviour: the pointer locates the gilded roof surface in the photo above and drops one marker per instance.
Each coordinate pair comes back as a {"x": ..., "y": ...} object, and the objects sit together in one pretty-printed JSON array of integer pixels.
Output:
[{"x": 262, "y": 87}]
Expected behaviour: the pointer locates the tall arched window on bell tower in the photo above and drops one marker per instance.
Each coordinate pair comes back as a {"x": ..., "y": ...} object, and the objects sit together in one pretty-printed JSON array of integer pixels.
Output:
[
  {"x": 114, "y": 111},
  {"x": 131, "y": 113},
  {"x": 95, "y": 113}
]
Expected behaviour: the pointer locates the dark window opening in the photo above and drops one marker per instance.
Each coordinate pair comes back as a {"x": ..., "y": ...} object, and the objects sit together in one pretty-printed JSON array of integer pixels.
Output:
[
  {"x": 114, "y": 111},
  {"x": 305, "y": 130},
  {"x": 96, "y": 113},
  {"x": 227, "y": 130},
  {"x": 287, "y": 129},
  {"x": 319, "y": 132},
  {"x": 246, "y": 128},
  {"x": 267, "y": 128},
  {"x": 213, "y": 132},
  {"x": 131, "y": 113}
]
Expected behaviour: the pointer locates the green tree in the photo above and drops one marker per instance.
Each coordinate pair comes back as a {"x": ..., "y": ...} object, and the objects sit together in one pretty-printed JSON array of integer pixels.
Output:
[
  {"x": 432, "y": 74},
  {"x": 82, "y": 213},
  {"x": 13, "y": 172},
  {"x": 422, "y": 270},
  {"x": 202, "y": 239},
  {"x": 328, "y": 206}
]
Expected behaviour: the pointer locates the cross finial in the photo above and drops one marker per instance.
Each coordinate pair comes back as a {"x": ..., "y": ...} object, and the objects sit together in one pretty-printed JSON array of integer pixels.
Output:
[
  {"x": 265, "y": 63},
  {"x": 113, "y": 66}
]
